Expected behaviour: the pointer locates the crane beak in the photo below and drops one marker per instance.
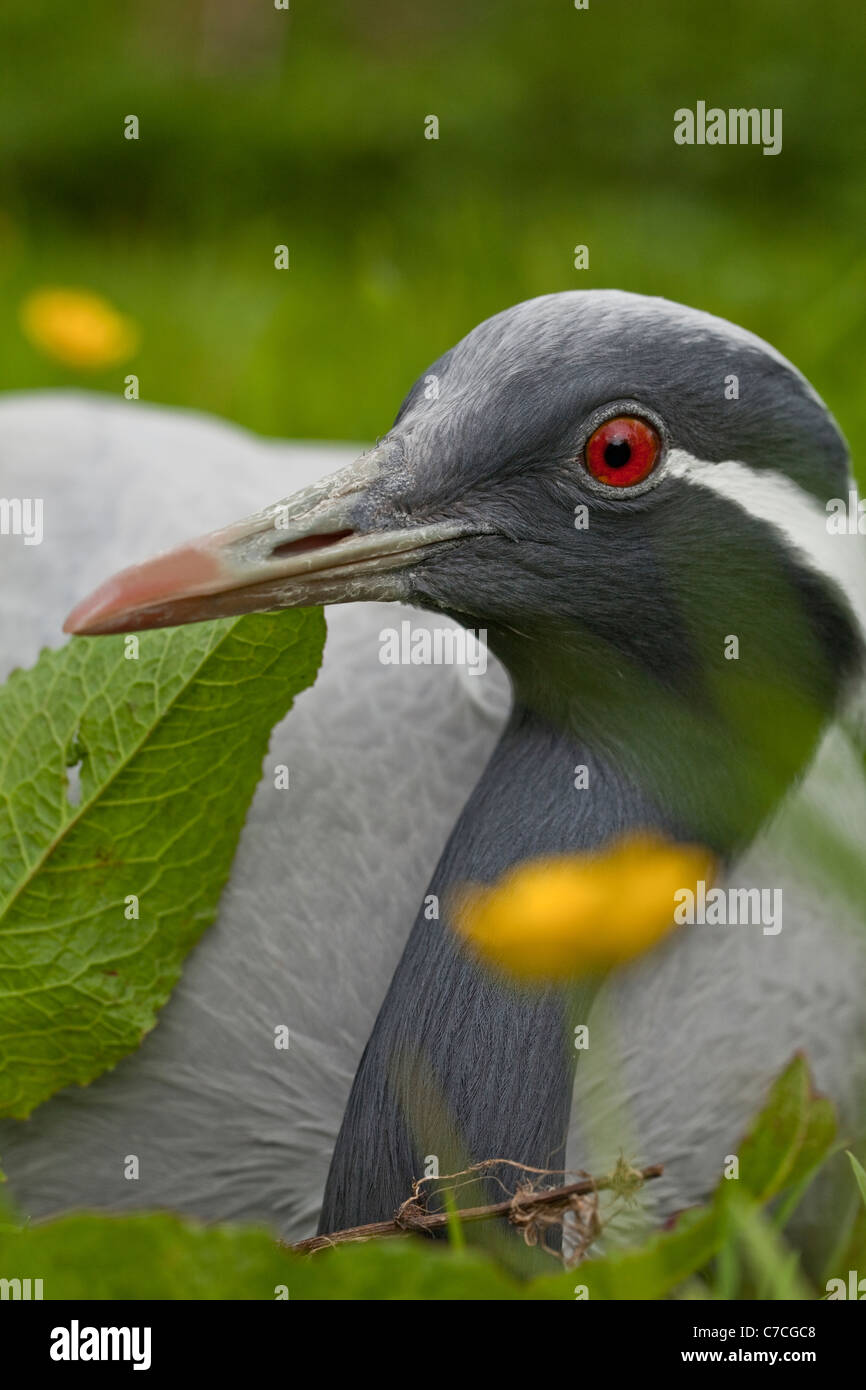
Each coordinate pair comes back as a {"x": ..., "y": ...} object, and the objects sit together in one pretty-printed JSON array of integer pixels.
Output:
[{"x": 309, "y": 549}]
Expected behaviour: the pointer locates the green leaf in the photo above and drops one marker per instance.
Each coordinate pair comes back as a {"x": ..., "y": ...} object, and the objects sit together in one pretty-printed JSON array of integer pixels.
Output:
[
  {"x": 768, "y": 1153},
  {"x": 793, "y": 1133},
  {"x": 141, "y": 1257},
  {"x": 859, "y": 1173},
  {"x": 161, "y": 1256},
  {"x": 849, "y": 1248},
  {"x": 170, "y": 747},
  {"x": 775, "y": 1268},
  {"x": 819, "y": 1140},
  {"x": 650, "y": 1271},
  {"x": 402, "y": 1269}
]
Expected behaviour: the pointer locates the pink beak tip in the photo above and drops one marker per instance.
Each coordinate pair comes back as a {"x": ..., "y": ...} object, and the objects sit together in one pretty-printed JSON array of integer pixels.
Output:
[{"x": 180, "y": 573}]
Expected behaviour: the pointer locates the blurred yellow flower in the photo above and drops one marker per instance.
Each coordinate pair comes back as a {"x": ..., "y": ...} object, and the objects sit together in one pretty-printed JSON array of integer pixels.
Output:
[
  {"x": 77, "y": 328},
  {"x": 580, "y": 914}
]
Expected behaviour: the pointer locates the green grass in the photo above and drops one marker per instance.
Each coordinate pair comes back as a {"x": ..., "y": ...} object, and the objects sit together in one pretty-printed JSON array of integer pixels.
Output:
[{"x": 307, "y": 128}]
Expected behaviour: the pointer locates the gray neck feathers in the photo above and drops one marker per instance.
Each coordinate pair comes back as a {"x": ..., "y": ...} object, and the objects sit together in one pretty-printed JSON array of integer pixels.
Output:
[{"x": 461, "y": 1064}]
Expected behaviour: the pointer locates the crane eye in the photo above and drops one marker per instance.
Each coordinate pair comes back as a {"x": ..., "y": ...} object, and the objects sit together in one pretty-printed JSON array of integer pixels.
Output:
[{"x": 622, "y": 451}]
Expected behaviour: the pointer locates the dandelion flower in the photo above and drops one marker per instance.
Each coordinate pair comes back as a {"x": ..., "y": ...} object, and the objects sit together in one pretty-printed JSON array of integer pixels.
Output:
[
  {"x": 77, "y": 328},
  {"x": 580, "y": 914}
]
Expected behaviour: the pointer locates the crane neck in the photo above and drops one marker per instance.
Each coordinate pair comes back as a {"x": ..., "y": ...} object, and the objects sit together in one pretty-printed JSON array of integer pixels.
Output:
[{"x": 463, "y": 1065}]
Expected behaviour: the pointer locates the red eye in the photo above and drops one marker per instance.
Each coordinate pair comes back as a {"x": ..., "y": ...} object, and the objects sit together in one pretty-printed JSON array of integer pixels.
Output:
[{"x": 622, "y": 452}]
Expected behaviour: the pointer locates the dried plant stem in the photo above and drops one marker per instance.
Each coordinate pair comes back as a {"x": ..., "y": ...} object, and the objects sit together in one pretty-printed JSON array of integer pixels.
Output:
[{"x": 412, "y": 1217}]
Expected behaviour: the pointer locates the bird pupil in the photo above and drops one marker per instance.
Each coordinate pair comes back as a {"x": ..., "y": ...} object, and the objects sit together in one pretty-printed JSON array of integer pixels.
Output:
[{"x": 617, "y": 453}]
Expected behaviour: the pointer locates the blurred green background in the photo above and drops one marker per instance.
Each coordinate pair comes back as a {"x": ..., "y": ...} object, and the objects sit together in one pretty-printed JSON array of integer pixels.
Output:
[{"x": 260, "y": 126}]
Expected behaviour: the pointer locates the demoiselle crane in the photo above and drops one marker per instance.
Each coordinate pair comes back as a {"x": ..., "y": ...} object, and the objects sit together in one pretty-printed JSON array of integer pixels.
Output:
[{"x": 612, "y": 487}]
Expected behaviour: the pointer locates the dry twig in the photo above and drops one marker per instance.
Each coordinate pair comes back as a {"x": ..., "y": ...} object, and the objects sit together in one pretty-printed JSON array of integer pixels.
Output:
[{"x": 532, "y": 1209}]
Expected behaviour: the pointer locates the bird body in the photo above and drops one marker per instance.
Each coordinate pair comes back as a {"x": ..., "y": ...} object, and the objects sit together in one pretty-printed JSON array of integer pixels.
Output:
[{"x": 613, "y": 638}]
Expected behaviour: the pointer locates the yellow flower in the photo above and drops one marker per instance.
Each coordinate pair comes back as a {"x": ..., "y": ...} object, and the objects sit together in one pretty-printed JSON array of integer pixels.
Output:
[
  {"x": 78, "y": 328},
  {"x": 580, "y": 914}
]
